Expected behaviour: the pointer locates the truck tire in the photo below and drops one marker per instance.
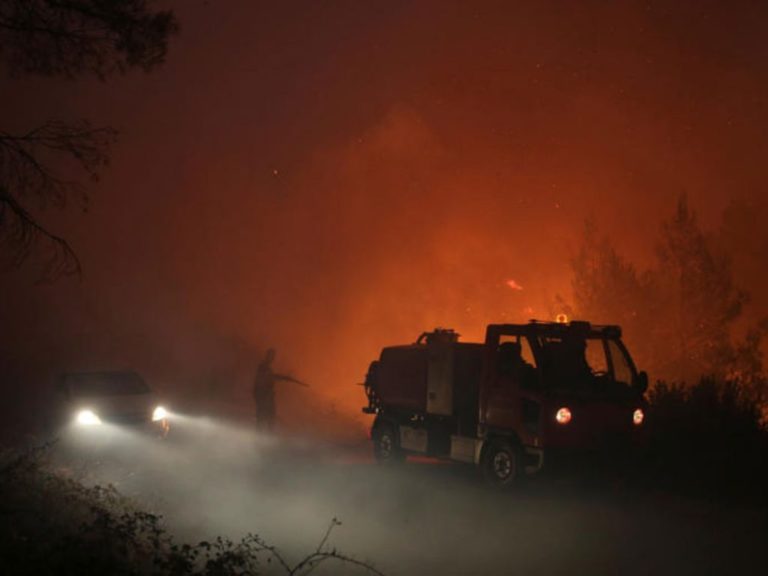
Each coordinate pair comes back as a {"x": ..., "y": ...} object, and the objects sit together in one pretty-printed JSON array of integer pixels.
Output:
[
  {"x": 386, "y": 445},
  {"x": 502, "y": 463}
]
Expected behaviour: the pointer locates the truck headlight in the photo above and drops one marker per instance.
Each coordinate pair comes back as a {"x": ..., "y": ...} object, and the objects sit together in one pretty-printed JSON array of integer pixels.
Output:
[
  {"x": 160, "y": 413},
  {"x": 563, "y": 415},
  {"x": 87, "y": 418}
]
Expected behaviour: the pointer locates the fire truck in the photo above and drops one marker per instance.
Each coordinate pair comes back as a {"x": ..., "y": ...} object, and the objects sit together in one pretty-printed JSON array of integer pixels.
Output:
[{"x": 526, "y": 397}]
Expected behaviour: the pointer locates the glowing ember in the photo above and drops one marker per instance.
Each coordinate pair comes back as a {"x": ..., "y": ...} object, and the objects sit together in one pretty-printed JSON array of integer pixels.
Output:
[{"x": 514, "y": 285}]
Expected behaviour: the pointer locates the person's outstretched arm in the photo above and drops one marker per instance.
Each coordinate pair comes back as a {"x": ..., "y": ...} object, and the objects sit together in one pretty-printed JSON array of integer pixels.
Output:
[{"x": 286, "y": 378}]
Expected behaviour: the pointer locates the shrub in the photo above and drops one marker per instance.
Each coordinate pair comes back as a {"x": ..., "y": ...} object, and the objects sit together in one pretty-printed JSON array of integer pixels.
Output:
[
  {"x": 54, "y": 525},
  {"x": 708, "y": 438}
]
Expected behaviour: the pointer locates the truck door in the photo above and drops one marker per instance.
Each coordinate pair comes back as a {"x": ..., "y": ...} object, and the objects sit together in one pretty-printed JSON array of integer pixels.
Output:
[
  {"x": 440, "y": 379},
  {"x": 513, "y": 375}
]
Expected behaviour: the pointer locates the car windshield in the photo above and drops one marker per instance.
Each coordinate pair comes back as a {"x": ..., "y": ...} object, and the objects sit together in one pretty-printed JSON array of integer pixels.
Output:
[{"x": 106, "y": 384}]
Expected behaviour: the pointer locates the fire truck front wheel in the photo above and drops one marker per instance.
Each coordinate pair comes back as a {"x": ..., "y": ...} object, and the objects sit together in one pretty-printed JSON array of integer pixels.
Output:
[
  {"x": 386, "y": 448},
  {"x": 502, "y": 463}
]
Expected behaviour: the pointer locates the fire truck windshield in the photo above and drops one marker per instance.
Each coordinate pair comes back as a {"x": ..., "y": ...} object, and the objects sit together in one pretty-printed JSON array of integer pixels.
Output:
[{"x": 594, "y": 362}]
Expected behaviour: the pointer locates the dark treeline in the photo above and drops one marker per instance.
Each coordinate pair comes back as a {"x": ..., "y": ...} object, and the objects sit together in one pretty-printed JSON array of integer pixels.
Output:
[{"x": 708, "y": 440}]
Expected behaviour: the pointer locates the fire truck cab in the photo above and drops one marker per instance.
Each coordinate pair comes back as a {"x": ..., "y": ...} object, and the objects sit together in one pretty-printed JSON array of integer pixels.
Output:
[{"x": 529, "y": 394}]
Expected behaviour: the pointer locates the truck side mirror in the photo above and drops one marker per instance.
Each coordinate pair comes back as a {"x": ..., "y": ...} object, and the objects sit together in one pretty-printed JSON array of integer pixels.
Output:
[{"x": 642, "y": 382}]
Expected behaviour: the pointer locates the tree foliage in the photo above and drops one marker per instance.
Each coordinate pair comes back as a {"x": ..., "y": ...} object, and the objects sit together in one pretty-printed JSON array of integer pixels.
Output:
[
  {"x": 679, "y": 313},
  {"x": 27, "y": 178},
  {"x": 599, "y": 270},
  {"x": 609, "y": 289},
  {"x": 700, "y": 296},
  {"x": 68, "y": 38},
  {"x": 708, "y": 438},
  {"x": 72, "y": 37}
]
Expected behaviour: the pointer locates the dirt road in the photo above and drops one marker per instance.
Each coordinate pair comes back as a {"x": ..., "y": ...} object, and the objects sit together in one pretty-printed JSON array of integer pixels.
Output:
[{"x": 421, "y": 518}]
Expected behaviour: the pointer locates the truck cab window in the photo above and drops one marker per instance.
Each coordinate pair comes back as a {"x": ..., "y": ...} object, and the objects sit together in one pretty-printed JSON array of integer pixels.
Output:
[
  {"x": 508, "y": 358},
  {"x": 527, "y": 353},
  {"x": 622, "y": 371},
  {"x": 596, "y": 358},
  {"x": 565, "y": 362},
  {"x": 516, "y": 362}
]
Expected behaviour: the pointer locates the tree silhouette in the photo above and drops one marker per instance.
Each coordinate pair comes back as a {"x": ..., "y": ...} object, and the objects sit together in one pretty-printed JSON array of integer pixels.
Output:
[
  {"x": 700, "y": 296},
  {"x": 66, "y": 38},
  {"x": 26, "y": 177},
  {"x": 744, "y": 235},
  {"x": 677, "y": 315},
  {"x": 606, "y": 287},
  {"x": 609, "y": 289}
]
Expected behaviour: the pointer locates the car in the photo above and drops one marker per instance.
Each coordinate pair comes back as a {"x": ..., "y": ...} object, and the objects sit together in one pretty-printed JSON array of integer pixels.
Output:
[{"x": 94, "y": 401}]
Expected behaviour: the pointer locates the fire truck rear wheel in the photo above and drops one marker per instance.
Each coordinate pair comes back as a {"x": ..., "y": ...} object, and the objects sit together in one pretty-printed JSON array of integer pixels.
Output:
[
  {"x": 503, "y": 463},
  {"x": 386, "y": 448}
]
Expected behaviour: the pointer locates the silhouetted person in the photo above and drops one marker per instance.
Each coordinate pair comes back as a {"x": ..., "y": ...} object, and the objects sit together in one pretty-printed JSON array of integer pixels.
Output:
[
  {"x": 264, "y": 391},
  {"x": 513, "y": 365},
  {"x": 566, "y": 363},
  {"x": 577, "y": 358}
]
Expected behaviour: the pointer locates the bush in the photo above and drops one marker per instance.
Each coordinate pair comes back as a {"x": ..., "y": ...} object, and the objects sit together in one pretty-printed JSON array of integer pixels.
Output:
[
  {"x": 708, "y": 438},
  {"x": 54, "y": 525}
]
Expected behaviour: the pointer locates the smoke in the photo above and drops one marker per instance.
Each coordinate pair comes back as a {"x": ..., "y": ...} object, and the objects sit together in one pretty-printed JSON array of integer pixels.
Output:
[
  {"x": 331, "y": 180},
  {"x": 213, "y": 477}
]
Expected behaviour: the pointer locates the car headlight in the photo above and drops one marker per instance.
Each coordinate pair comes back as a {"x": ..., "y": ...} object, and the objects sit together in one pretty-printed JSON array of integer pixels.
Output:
[
  {"x": 87, "y": 418},
  {"x": 160, "y": 413}
]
